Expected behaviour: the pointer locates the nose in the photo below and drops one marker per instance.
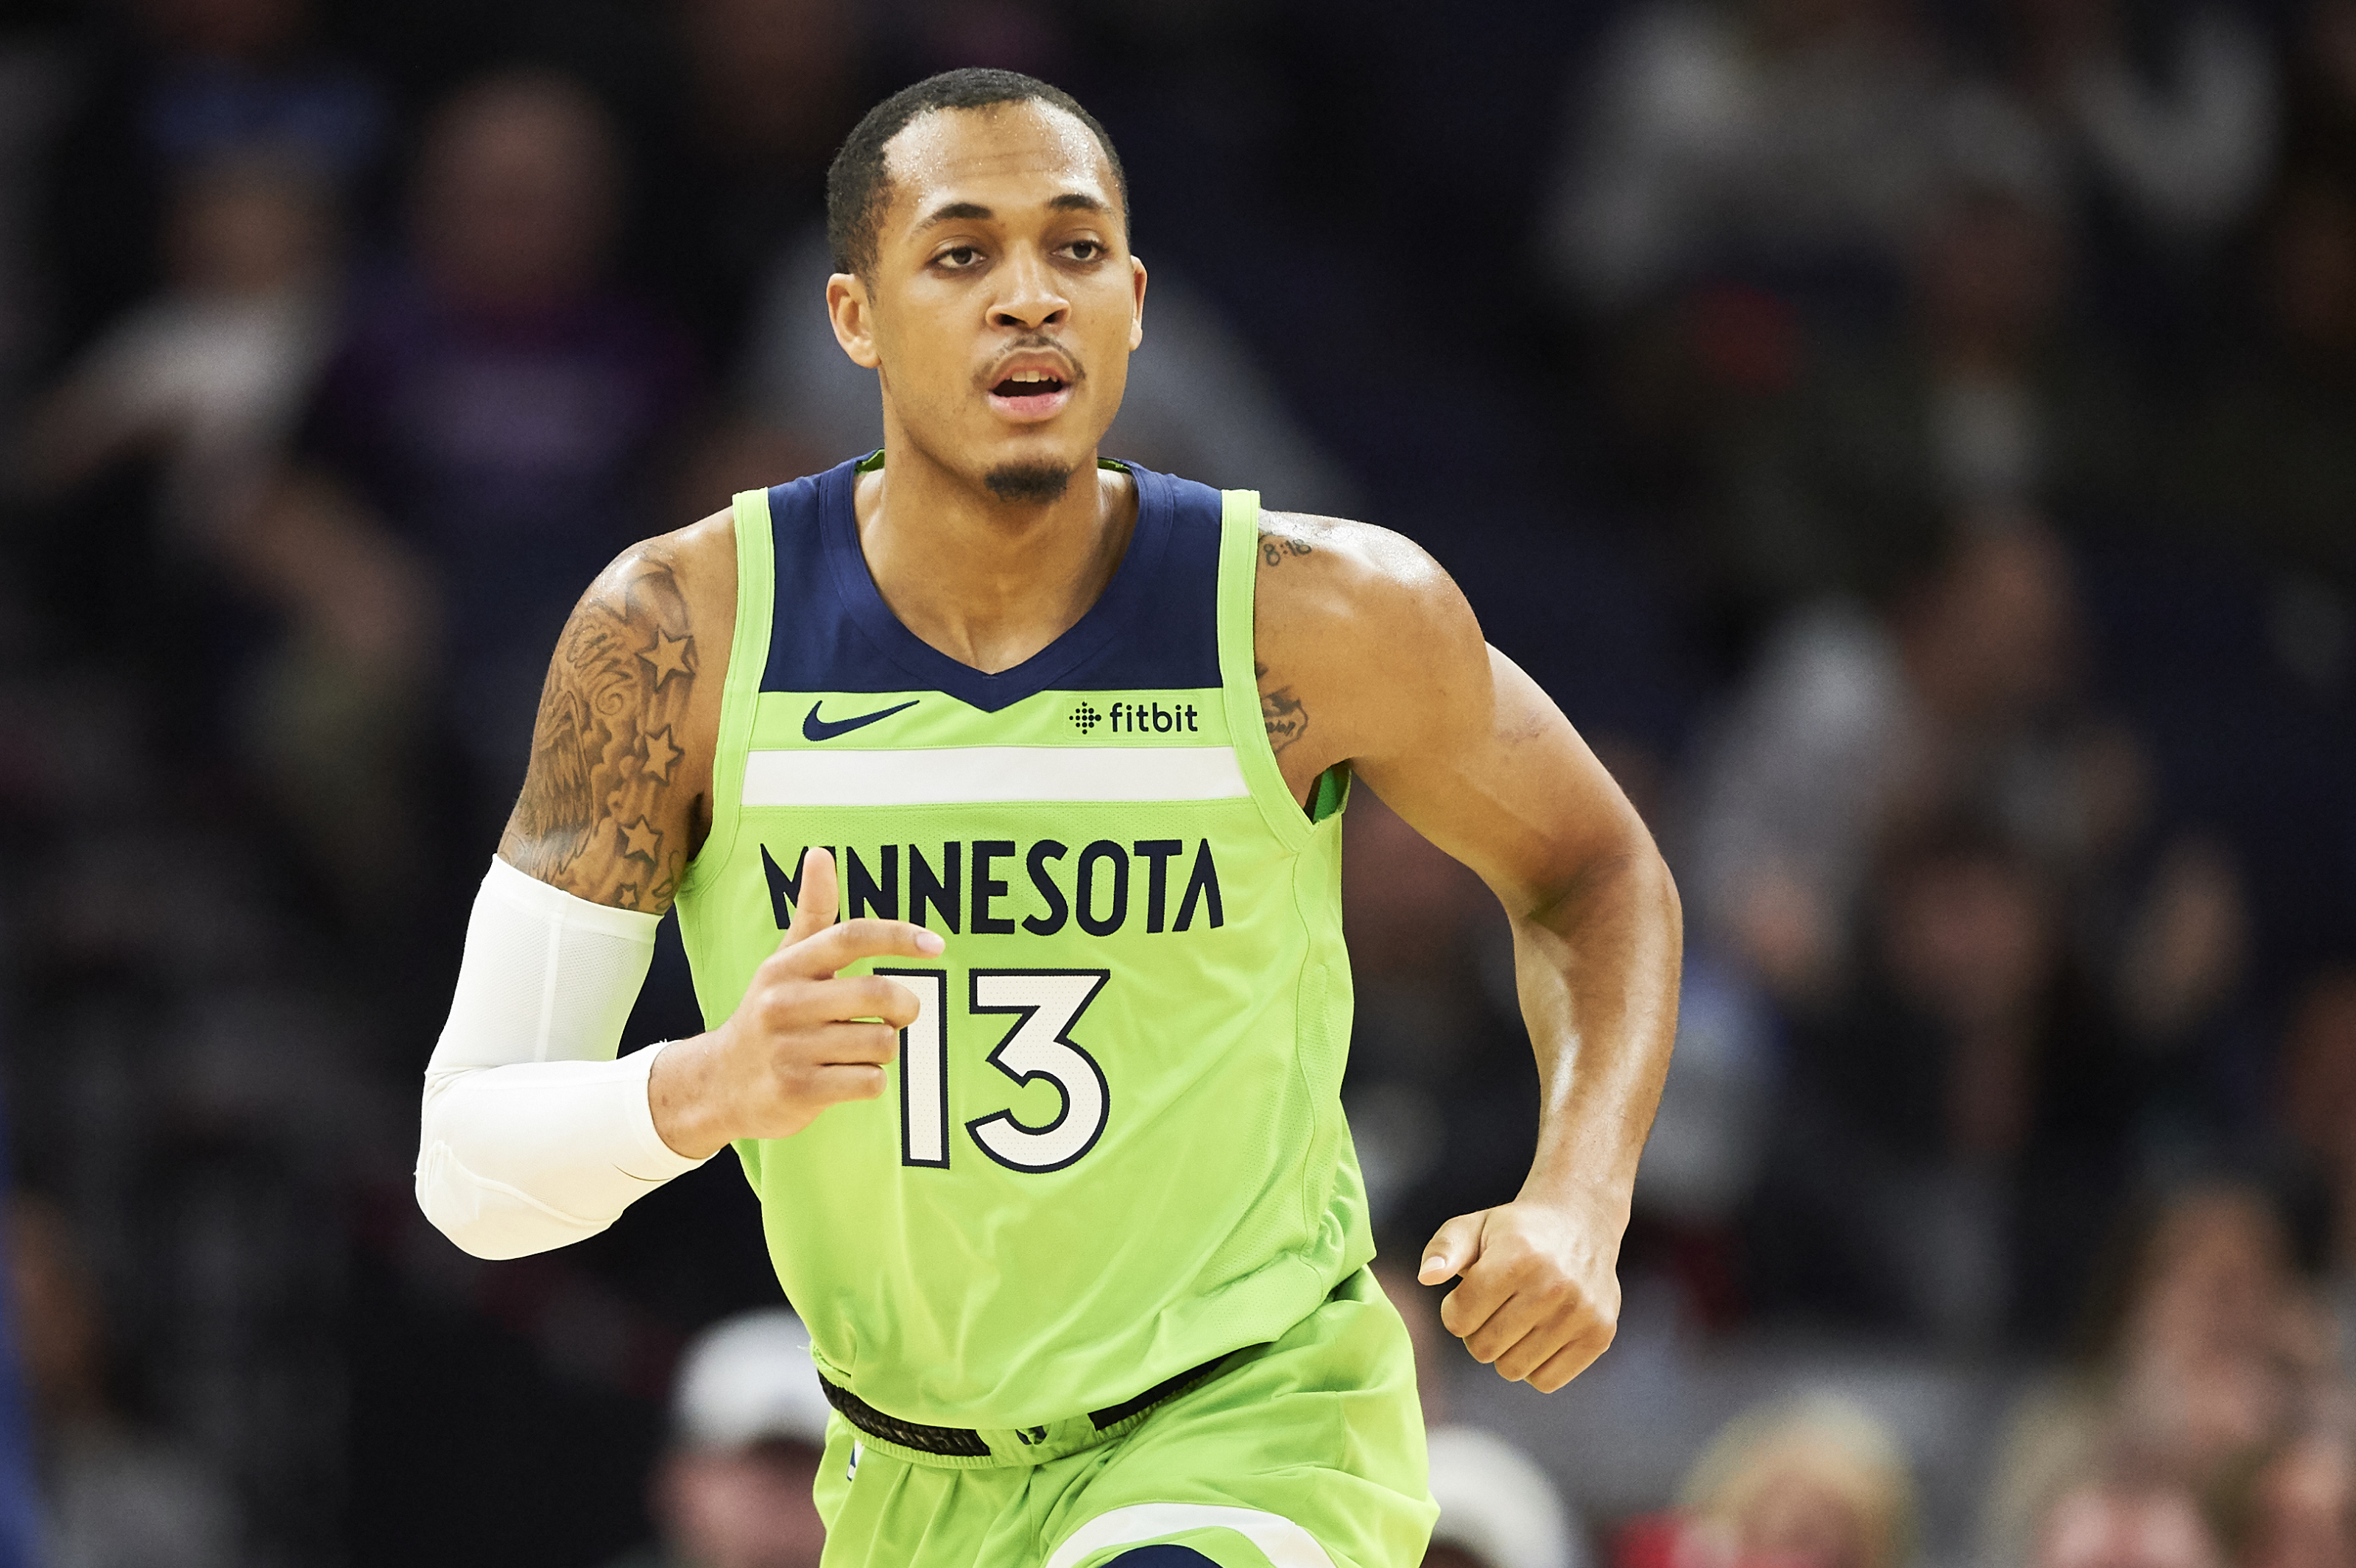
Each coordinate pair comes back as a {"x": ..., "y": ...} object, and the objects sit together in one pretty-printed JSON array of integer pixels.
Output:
[{"x": 1029, "y": 297}]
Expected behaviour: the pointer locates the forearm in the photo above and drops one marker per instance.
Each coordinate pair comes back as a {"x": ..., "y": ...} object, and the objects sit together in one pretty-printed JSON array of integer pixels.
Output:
[
  {"x": 533, "y": 1135},
  {"x": 1598, "y": 969}
]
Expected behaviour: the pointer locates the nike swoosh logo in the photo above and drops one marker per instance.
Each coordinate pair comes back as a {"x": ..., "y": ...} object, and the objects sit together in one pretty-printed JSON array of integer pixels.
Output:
[{"x": 816, "y": 729}]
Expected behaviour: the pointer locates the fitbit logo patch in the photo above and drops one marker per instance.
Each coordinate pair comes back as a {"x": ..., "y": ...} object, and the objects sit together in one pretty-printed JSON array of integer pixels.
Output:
[{"x": 1127, "y": 717}]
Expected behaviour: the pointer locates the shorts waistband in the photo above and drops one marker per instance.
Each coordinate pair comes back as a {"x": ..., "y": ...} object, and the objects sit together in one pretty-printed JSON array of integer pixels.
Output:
[{"x": 1018, "y": 1445}]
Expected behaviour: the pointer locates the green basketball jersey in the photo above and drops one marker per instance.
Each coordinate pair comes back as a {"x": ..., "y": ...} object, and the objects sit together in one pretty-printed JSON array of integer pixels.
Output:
[{"x": 1112, "y": 1148}]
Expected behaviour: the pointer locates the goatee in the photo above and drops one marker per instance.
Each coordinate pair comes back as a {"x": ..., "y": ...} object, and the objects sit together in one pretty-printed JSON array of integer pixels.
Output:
[{"x": 1029, "y": 484}]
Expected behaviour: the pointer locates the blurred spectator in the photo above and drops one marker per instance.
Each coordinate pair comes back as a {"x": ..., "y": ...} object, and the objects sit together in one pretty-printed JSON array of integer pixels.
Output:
[
  {"x": 1781, "y": 137},
  {"x": 2269, "y": 470},
  {"x": 748, "y": 1426},
  {"x": 210, "y": 375},
  {"x": 1196, "y": 404},
  {"x": 771, "y": 88},
  {"x": 500, "y": 411},
  {"x": 1962, "y": 702},
  {"x": 184, "y": 84},
  {"x": 1952, "y": 1133},
  {"x": 2125, "y": 1526},
  {"x": 2197, "y": 1361},
  {"x": 2168, "y": 109},
  {"x": 117, "y": 1496},
  {"x": 2182, "y": 966},
  {"x": 1814, "y": 1482},
  {"x": 1497, "y": 1509},
  {"x": 1897, "y": 829},
  {"x": 1990, "y": 400}
]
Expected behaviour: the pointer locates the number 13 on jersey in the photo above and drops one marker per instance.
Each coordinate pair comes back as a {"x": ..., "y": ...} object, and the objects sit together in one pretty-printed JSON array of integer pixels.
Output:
[{"x": 1045, "y": 1002}]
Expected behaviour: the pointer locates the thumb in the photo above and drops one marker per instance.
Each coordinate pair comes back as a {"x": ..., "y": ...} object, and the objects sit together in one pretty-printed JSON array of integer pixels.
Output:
[
  {"x": 814, "y": 911},
  {"x": 1454, "y": 1247}
]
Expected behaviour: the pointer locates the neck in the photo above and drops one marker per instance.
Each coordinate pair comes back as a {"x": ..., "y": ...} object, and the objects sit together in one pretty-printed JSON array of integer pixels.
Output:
[{"x": 987, "y": 581}]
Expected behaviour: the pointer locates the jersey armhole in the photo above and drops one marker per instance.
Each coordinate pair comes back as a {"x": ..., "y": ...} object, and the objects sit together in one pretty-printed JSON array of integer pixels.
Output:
[
  {"x": 1246, "y": 729},
  {"x": 1331, "y": 794}
]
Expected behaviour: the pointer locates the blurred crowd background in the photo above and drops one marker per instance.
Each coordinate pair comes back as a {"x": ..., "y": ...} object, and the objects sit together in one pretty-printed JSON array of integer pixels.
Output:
[{"x": 1915, "y": 441}]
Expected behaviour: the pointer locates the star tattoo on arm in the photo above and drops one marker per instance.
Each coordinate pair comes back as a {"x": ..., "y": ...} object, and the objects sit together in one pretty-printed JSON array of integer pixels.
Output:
[
  {"x": 643, "y": 840},
  {"x": 662, "y": 756},
  {"x": 597, "y": 816},
  {"x": 667, "y": 657}
]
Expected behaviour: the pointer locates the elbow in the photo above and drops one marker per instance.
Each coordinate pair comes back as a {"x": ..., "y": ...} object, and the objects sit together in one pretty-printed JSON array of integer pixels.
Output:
[
  {"x": 1634, "y": 859},
  {"x": 1648, "y": 891},
  {"x": 451, "y": 1203},
  {"x": 1624, "y": 879},
  {"x": 490, "y": 1220},
  {"x": 1672, "y": 903},
  {"x": 451, "y": 1196}
]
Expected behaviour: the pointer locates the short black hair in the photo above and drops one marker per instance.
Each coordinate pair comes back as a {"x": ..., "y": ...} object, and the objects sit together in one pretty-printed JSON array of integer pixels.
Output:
[{"x": 859, "y": 188}]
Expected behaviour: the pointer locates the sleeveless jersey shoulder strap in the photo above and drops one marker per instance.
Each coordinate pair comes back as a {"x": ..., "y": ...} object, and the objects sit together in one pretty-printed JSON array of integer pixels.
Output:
[
  {"x": 1238, "y": 579},
  {"x": 748, "y": 657}
]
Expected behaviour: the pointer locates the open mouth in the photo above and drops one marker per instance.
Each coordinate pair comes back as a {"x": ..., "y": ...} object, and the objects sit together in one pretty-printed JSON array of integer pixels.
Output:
[{"x": 1030, "y": 394}]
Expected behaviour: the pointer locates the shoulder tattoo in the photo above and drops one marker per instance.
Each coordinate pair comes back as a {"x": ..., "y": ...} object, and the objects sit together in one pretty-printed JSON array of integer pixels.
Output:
[
  {"x": 1282, "y": 712},
  {"x": 595, "y": 817},
  {"x": 1276, "y": 549}
]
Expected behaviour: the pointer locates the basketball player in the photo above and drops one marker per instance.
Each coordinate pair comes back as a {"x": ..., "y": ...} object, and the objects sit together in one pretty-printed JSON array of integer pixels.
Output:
[{"x": 999, "y": 788}]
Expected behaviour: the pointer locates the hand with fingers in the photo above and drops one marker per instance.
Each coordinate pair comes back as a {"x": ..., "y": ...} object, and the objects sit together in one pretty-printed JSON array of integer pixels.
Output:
[
  {"x": 1540, "y": 1297},
  {"x": 805, "y": 1037}
]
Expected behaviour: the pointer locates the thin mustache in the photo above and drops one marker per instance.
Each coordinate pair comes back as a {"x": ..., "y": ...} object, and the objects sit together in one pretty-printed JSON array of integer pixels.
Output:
[{"x": 1037, "y": 344}]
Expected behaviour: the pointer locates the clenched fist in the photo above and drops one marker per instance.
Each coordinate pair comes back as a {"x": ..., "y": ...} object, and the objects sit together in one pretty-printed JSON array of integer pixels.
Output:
[
  {"x": 1541, "y": 1294},
  {"x": 804, "y": 1037}
]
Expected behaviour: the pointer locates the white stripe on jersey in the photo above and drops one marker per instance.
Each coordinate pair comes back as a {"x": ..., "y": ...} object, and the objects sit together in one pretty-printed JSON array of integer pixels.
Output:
[
  {"x": 954, "y": 775},
  {"x": 1284, "y": 1543}
]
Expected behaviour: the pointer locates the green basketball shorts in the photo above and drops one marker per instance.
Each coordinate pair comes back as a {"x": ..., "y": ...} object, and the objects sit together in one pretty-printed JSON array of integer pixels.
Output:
[{"x": 1303, "y": 1453}]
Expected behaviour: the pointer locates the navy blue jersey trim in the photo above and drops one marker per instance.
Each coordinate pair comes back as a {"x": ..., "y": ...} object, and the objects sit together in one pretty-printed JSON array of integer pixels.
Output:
[{"x": 1155, "y": 627}]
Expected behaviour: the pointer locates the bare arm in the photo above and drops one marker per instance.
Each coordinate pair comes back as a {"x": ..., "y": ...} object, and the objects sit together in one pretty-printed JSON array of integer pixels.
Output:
[
  {"x": 533, "y": 1132},
  {"x": 1369, "y": 654},
  {"x": 618, "y": 794}
]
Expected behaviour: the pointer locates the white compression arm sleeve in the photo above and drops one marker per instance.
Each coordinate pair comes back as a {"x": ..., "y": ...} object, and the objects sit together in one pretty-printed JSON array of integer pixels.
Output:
[{"x": 533, "y": 1134}]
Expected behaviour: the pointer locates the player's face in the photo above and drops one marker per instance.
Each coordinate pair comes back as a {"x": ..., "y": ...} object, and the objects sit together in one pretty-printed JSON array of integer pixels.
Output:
[{"x": 1004, "y": 301}]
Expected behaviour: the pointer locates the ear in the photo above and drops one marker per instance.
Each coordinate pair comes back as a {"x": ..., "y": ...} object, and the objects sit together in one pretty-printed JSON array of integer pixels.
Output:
[
  {"x": 848, "y": 307},
  {"x": 1137, "y": 303}
]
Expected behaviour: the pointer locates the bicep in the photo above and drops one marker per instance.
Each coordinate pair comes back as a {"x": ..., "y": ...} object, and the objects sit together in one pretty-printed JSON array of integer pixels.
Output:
[
  {"x": 621, "y": 748},
  {"x": 1494, "y": 775}
]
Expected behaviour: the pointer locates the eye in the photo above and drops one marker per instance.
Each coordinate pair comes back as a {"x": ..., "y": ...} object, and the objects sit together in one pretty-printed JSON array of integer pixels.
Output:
[
  {"x": 957, "y": 257},
  {"x": 1085, "y": 251}
]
